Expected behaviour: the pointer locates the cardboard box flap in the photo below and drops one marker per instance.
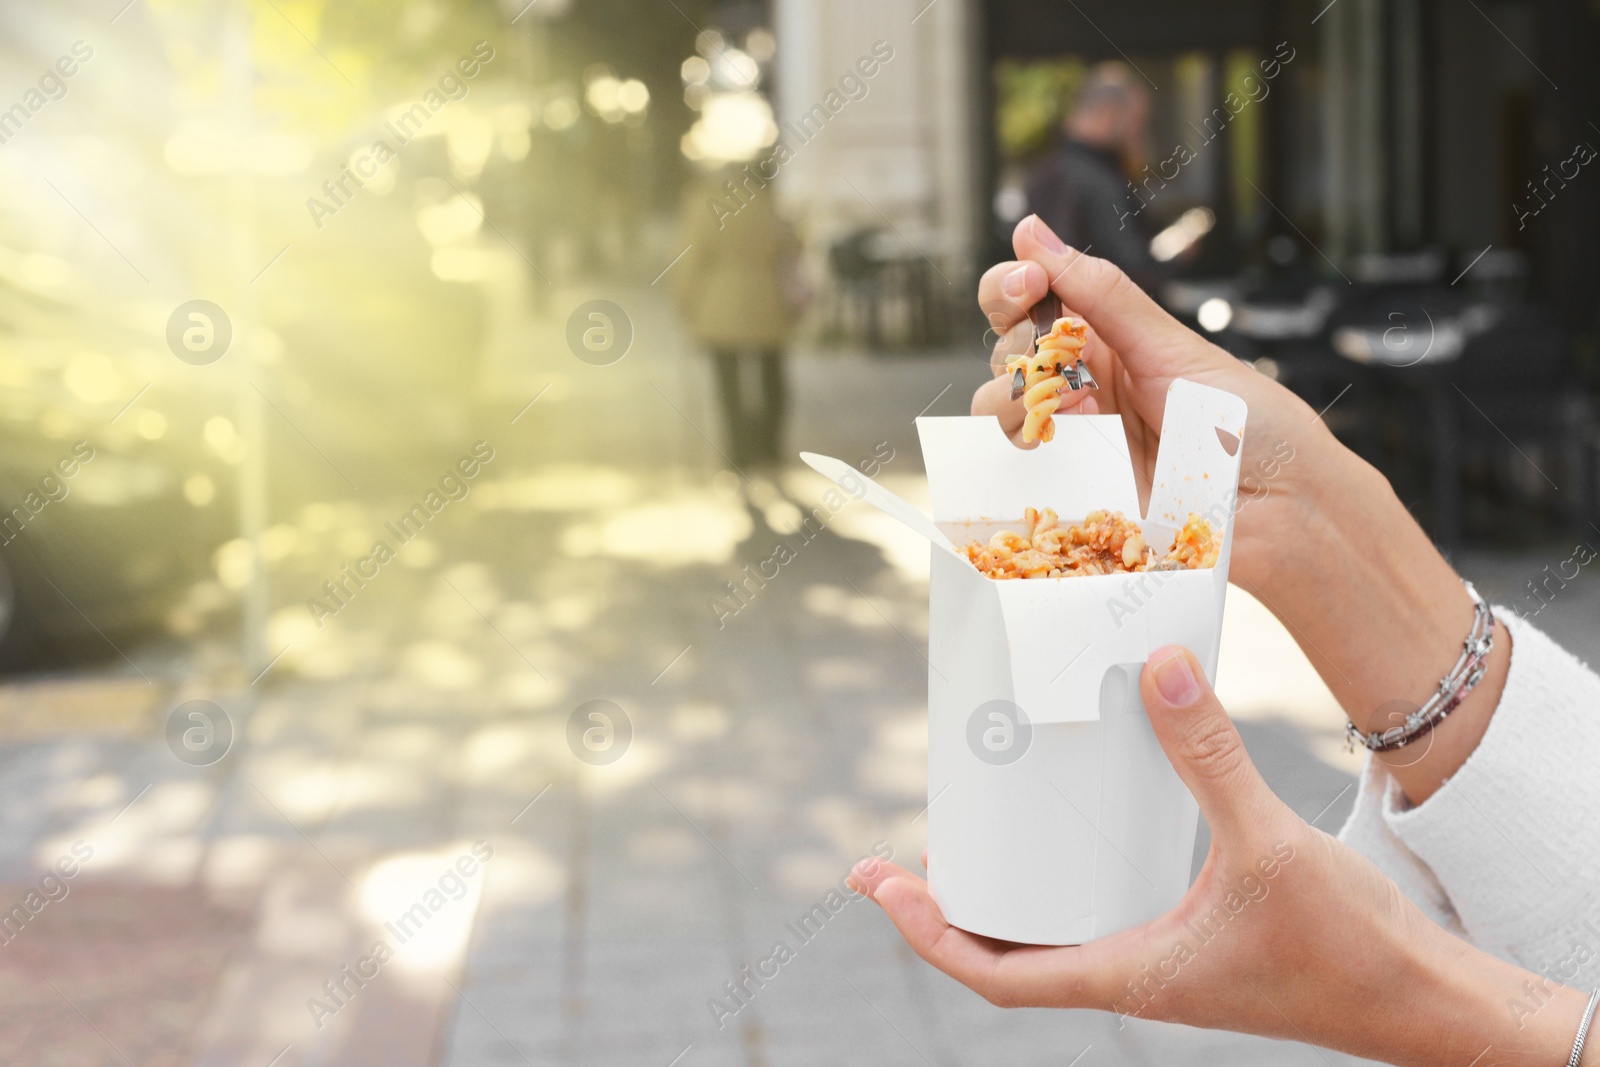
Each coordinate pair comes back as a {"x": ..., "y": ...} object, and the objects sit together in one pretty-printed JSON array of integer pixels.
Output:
[
  {"x": 975, "y": 472},
  {"x": 1194, "y": 471},
  {"x": 859, "y": 486},
  {"x": 1051, "y": 645},
  {"x": 1061, "y": 639}
]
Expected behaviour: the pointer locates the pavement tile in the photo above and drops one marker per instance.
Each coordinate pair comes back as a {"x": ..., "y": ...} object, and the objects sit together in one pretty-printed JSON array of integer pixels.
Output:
[
  {"x": 769, "y": 755},
  {"x": 113, "y": 970}
]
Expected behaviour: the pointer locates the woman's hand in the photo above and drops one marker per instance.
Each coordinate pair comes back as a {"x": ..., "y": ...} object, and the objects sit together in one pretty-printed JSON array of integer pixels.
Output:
[
  {"x": 1285, "y": 933},
  {"x": 1319, "y": 536},
  {"x": 1135, "y": 350}
]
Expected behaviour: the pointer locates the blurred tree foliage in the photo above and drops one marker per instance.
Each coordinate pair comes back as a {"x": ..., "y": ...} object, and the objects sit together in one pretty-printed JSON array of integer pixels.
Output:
[
  {"x": 1030, "y": 100},
  {"x": 324, "y": 68}
]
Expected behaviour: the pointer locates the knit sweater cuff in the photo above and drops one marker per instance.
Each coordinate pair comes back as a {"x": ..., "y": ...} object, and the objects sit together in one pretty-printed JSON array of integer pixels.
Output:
[
  {"x": 1513, "y": 837},
  {"x": 1368, "y": 833}
]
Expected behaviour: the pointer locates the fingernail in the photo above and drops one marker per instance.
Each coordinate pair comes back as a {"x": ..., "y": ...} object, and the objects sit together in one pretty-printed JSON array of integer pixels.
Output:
[
  {"x": 1175, "y": 679},
  {"x": 1016, "y": 283},
  {"x": 1046, "y": 236},
  {"x": 859, "y": 875}
]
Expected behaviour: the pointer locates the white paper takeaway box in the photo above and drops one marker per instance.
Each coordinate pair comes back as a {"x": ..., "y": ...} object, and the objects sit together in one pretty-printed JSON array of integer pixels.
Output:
[{"x": 1054, "y": 817}]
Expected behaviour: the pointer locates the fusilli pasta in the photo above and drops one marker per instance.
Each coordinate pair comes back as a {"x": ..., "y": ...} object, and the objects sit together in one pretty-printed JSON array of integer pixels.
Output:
[
  {"x": 1042, "y": 375},
  {"x": 1105, "y": 542}
]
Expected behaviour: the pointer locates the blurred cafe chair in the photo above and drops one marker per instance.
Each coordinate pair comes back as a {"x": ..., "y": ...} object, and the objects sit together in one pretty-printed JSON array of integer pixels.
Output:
[
  {"x": 1275, "y": 315},
  {"x": 887, "y": 292},
  {"x": 854, "y": 296},
  {"x": 1489, "y": 381},
  {"x": 1279, "y": 324}
]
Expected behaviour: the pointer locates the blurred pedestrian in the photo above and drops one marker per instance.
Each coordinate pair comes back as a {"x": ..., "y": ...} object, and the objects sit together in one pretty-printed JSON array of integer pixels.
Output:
[
  {"x": 740, "y": 290},
  {"x": 1081, "y": 190}
]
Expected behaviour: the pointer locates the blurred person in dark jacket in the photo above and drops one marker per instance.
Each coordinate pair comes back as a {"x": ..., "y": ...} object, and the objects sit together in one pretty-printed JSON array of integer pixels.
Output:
[
  {"x": 740, "y": 291},
  {"x": 1081, "y": 189}
]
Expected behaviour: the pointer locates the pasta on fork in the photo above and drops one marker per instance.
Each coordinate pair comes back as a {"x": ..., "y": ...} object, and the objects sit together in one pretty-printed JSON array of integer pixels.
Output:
[{"x": 1052, "y": 366}]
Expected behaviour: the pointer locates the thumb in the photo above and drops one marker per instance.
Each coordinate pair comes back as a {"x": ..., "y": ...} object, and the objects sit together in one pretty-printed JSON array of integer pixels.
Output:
[
  {"x": 1125, "y": 316},
  {"x": 1200, "y": 740}
]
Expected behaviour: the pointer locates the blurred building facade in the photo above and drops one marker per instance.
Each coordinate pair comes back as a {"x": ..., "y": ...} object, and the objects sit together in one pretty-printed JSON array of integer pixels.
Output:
[
  {"x": 894, "y": 157},
  {"x": 1400, "y": 125},
  {"x": 1357, "y": 163},
  {"x": 1397, "y": 127}
]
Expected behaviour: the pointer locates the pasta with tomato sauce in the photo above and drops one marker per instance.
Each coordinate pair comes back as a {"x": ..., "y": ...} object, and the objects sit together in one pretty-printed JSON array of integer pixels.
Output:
[{"x": 1106, "y": 542}]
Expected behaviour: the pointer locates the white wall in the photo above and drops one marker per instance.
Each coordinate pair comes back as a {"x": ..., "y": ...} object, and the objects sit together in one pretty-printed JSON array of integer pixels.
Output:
[{"x": 905, "y": 150}]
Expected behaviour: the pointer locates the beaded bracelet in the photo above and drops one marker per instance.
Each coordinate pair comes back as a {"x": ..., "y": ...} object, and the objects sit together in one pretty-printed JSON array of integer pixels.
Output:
[{"x": 1469, "y": 669}]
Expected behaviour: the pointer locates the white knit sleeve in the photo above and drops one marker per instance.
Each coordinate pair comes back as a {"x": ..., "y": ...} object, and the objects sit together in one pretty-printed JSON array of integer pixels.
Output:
[
  {"x": 1368, "y": 833},
  {"x": 1507, "y": 852}
]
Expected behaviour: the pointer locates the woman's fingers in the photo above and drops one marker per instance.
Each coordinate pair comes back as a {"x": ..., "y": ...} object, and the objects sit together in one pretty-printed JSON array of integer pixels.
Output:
[
  {"x": 1006, "y": 293},
  {"x": 1124, "y": 316},
  {"x": 1007, "y": 290},
  {"x": 904, "y": 897},
  {"x": 1014, "y": 340},
  {"x": 1077, "y": 976},
  {"x": 1202, "y": 743},
  {"x": 993, "y": 397}
]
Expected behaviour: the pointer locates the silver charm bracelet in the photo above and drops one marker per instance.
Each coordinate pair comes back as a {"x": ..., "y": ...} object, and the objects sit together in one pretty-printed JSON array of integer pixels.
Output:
[{"x": 1461, "y": 679}]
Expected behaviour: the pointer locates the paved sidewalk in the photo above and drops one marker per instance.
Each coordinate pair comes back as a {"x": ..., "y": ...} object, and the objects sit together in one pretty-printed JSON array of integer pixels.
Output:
[{"x": 429, "y": 722}]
